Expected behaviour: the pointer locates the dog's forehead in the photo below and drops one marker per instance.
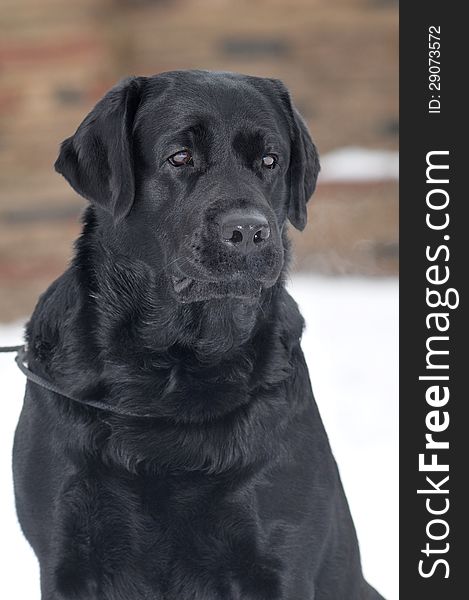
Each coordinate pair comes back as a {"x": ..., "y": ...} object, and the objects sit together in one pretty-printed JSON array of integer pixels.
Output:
[{"x": 181, "y": 98}]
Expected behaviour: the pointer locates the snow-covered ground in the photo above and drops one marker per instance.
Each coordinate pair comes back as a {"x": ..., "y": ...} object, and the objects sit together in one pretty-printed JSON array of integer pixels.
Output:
[
  {"x": 355, "y": 164},
  {"x": 351, "y": 347}
]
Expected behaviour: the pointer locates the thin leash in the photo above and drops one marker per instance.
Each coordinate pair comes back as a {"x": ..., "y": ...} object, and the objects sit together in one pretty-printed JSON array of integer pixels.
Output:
[{"x": 21, "y": 361}]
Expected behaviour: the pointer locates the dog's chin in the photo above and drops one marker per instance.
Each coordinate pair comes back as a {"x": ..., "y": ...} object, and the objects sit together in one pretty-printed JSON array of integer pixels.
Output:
[{"x": 187, "y": 290}]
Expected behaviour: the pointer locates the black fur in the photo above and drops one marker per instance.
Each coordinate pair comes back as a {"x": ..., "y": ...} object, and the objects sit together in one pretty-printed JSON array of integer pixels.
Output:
[{"x": 229, "y": 491}]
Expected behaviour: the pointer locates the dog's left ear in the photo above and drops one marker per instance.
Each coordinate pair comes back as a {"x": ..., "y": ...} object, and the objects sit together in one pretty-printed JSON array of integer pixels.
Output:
[
  {"x": 97, "y": 160},
  {"x": 304, "y": 161},
  {"x": 304, "y": 171}
]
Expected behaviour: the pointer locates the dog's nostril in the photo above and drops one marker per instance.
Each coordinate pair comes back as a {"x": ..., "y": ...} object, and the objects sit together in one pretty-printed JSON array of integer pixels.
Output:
[
  {"x": 236, "y": 237},
  {"x": 261, "y": 235}
]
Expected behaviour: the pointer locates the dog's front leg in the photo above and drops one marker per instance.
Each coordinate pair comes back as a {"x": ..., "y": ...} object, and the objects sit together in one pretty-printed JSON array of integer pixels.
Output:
[{"x": 69, "y": 570}]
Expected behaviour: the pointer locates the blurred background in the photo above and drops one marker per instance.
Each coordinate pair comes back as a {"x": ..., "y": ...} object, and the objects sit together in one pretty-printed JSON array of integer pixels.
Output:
[{"x": 339, "y": 59}]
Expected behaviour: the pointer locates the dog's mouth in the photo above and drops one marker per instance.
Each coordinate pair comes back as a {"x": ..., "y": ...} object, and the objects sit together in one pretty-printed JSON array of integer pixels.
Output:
[{"x": 187, "y": 289}]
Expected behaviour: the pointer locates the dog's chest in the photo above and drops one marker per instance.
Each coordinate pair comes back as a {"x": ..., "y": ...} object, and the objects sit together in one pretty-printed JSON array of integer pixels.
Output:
[{"x": 173, "y": 538}]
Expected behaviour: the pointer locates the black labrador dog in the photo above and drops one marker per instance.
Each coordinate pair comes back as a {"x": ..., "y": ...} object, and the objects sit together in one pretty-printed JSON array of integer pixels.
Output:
[{"x": 208, "y": 474}]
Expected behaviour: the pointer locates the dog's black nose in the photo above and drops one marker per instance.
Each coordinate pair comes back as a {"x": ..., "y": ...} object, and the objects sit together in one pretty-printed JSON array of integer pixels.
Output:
[{"x": 244, "y": 230}]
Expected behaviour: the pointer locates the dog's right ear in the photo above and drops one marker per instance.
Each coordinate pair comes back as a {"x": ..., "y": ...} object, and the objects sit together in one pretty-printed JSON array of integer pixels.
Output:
[{"x": 97, "y": 160}]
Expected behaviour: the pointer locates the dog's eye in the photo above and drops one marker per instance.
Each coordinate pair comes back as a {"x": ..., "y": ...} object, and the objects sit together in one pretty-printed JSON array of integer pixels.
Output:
[
  {"x": 269, "y": 161},
  {"x": 181, "y": 158}
]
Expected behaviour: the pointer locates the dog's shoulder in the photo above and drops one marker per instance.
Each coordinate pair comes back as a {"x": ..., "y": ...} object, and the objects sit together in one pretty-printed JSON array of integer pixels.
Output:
[
  {"x": 60, "y": 328},
  {"x": 43, "y": 328}
]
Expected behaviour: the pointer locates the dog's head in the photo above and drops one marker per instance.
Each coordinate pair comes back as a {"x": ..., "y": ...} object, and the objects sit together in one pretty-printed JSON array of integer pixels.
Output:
[{"x": 195, "y": 173}]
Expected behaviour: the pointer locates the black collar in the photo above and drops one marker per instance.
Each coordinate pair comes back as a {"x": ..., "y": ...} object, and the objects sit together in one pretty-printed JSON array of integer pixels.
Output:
[{"x": 21, "y": 361}]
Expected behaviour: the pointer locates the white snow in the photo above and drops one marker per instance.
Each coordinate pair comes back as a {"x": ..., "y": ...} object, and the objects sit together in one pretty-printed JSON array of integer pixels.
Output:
[
  {"x": 359, "y": 165},
  {"x": 351, "y": 347}
]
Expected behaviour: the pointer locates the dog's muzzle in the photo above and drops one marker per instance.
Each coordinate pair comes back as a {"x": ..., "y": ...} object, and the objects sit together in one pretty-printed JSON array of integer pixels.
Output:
[{"x": 234, "y": 253}]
